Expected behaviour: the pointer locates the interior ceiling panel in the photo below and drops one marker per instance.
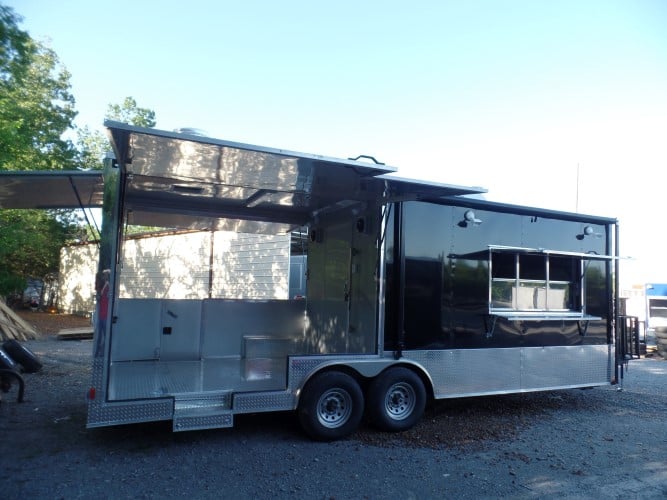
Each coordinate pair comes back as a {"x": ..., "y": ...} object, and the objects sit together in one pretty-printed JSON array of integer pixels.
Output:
[
  {"x": 51, "y": 189},
  {"x": 201, "y": 222}
]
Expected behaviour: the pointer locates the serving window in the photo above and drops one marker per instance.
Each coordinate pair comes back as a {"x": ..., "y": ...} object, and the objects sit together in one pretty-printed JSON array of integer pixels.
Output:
[{"x": 531, "y": 282}]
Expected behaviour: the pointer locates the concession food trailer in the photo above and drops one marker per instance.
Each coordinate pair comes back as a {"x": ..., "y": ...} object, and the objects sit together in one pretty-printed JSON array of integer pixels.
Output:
[{"x": 408, "y": 290}]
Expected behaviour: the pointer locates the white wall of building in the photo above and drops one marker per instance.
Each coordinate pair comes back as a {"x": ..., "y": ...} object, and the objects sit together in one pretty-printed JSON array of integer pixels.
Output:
[
  {"x": 180, "y": 266},
  {"x": 76, "y": 280}
]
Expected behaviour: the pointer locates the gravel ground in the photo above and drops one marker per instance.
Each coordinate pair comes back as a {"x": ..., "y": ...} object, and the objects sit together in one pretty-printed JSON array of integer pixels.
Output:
[{"x": 597, "y": 443}]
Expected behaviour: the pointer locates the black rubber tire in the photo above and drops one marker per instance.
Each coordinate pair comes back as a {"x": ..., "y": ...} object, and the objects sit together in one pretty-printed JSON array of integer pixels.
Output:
[
  {"x": 331, "y": 406},
  {"x": 23, "y": 356},
  {"x": 7, "y": 362},
  {"x": 396, "y": 400}
]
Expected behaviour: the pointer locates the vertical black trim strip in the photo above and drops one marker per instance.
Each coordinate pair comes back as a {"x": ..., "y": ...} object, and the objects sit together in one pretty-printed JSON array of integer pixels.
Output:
[
  {"x": 614, "y": 326},
  {"x": 211, "y": 263},
  {"x": 399, "y": 246}
]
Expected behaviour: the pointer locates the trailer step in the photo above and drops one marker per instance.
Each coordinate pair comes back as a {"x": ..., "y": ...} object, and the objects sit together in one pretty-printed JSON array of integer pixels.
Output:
[{"x": 203, "y": 412}]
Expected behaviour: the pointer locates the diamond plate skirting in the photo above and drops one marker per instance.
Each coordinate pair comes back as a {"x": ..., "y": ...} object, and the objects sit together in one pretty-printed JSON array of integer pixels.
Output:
[
  {"x": 105, "y": 414},
  {"x": 453, "y": 373},
  {"x": 197, "y": 422},
  {"x": 472, "y": 372},
  {"x": 266, "y": 401}
]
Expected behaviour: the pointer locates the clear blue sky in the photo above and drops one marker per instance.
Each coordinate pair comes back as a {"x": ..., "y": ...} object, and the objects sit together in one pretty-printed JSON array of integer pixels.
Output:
[{"x": 515, "y": 96}]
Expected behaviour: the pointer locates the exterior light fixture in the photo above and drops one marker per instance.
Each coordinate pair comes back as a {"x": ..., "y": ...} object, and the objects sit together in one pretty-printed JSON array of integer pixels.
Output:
[
  {"x": 469, "y": 218},
  {"x": 587, "y": 231}
]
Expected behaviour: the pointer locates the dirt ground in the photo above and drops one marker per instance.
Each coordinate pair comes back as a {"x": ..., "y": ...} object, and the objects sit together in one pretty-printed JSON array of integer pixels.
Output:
[
  {"x": 599, "y": 443},
  {"x": 50, "y": 324},
  {"x": 482, "y": 423},
  {"x": 485, "y": 419}
]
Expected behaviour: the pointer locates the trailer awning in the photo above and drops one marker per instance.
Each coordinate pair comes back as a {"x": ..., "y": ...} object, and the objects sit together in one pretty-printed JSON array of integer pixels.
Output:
[
  {"x": 191, "y": 177},
  {"x": 400, "y": 189},
  {"x": 199, "y": 181},
  {"x": 51, "y": 189}
]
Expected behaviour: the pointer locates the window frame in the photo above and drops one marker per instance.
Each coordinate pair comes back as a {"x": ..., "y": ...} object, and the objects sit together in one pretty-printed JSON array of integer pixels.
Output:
[{"x": 515, "y": 280}]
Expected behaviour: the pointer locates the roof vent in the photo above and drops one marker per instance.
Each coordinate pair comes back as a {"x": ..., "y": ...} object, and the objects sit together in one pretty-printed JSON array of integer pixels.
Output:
[{"x": 191, "y": 131}]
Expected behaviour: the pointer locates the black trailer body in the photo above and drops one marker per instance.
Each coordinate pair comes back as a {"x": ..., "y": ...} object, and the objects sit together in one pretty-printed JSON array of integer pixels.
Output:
[{"x": 499, "y": 298}]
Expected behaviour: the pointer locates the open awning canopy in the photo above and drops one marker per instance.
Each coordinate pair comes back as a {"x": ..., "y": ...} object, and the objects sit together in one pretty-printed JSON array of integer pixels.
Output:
[
  {"x": 188, "y": 178},
  {"x": 51, "y": 189},
  {"x": 191, "y": 180},
  {"x": 400, "y": 189}
]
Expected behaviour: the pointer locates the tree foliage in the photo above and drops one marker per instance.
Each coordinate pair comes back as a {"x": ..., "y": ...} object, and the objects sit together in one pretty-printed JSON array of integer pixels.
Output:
[
  {"x": 36, "y": 106},
  {"x": 36, "y": 110},
  {"x": 129, "y": 112},
  {"x": 93, "y": 145},
  {"x": 30, "y": 242},
  {"x": 14, "y": 45}
]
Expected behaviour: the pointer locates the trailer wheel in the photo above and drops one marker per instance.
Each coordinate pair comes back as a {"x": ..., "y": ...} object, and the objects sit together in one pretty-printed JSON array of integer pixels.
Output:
[
  {"x": 396, "y": 400},
  {"x": 23, "y": 356},
  {"x": 331, "y": 407}
]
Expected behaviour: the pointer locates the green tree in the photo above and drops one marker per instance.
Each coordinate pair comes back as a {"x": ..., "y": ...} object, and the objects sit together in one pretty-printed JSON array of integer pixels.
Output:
[
  {"x": 14, "y": 45},
  {"x": 129, "y": 112},
  {"x": 30, "y": 242},
  {"x": 93, "y": 144},
  {"x": 36, "y": 109},
  {"x": 36, "y": 106}
]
